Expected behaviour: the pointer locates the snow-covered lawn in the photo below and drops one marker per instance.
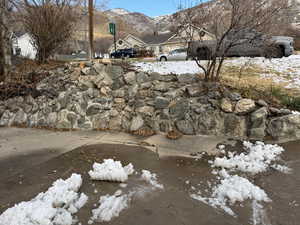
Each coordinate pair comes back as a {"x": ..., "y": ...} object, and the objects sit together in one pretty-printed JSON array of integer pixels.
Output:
[{"x": 283, "y": 70}]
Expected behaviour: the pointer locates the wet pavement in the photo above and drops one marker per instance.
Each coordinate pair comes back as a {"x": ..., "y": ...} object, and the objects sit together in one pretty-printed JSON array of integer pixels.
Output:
[{"x": 172, "y": 205}]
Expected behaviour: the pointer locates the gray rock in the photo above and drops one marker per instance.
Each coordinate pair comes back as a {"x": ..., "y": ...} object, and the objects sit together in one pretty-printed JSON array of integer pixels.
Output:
[
  {"x": 146, "y": 85},
  {"x": 162, "y": 87},
  {"x": 211, "y": 123},
  {"x": 136, "y": 123},
  {"x": 193, "y": 91},
  {"x": 161, "y": 102},
  {"x": 99, "y": 67},
  {"x": 7, "y": 118},
  {"x": 101, "y": 121},
  {"x": 119, "y": 93},
  {"x": 62, "y": 120},
  {"x": 145, "y": 110},
  {"x": 166, "y": 78},
  {"x": 115, "y": 123},
  {"x": 20, "y": 118},
  {"x": 185, "y": 127},
  {"x": 142, "y": 77},
  {"x": 235, "y": 126},
  {"x": 285, "y": 112},
  {"x": 234, "y": 96},
  {"x": 85, "y": 71},
  {"x": 259, "y": 118},
  {"x": 262, "y": 103},
  {"x": 257, "y": 133},
  {"x": 94, "y": 108},
  {"x": 179, "y": 109},
  {"x": 274, "y": 110},
  {"x": 114, "y": 71},
  {"x": 285, "y": 127},
  {"x": 130, "y": 78},
  {"x": 226, "y": 105},
  {"x": 186, "y": 78},
  {"x": 132, "y": 91},
  {"x": 244, "y": 106},
  {"x": 52, "y": 119}
]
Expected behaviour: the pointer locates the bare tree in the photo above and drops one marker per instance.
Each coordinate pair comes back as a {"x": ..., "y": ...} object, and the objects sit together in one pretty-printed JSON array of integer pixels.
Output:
[
  {"x": 233, "y": 23},
  {"x": 50, "y": 23},
  {"x": 5, "y": 38}
]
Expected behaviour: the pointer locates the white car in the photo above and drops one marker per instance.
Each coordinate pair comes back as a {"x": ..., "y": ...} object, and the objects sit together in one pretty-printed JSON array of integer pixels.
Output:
[{"x": 177, "y": 54}]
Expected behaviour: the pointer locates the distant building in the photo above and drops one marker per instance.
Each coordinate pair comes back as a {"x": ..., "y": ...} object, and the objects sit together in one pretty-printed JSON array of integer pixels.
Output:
[
  {"x": 22, "y": 46},
  {"x": 163, "y": 42}
]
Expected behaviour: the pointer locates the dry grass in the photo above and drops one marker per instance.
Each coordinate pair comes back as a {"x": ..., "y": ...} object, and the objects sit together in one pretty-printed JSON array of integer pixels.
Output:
[{"x": 247, "y": 81}]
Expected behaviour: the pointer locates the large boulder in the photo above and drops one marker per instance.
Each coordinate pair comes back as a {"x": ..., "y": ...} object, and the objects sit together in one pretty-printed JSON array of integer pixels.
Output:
[
  {"x": 20, "y": 118},
  {"x": 130, "y": 78},
  {"x": 258, "y": 123},
  {"x": 179, "y": 109},
  {"x": 66, "y": 119},
  {"x": 7, "y": 118},
  {"x": 161, "y": 102},
  {"x": 235, "y": 125},
  {"x": 285, "y": 127},
  {"x": 185, "y": 127},
  {"x": 244, "y": 106},
  {"x": 136, "y": 123},
  {"x": 226, "y": 105}
]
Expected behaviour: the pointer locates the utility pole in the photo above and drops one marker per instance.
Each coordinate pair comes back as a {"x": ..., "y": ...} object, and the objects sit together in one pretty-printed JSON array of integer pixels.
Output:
[{"x": 91, "y": 29}]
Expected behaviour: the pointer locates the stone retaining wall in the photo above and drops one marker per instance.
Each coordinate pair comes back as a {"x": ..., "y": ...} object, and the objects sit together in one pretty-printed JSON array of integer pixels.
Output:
[{"x": 102, "y": 96}]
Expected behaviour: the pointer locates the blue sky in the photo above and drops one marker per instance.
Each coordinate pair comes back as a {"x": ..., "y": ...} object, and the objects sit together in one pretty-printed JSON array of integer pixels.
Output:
[{"x": 148, "y": 7}]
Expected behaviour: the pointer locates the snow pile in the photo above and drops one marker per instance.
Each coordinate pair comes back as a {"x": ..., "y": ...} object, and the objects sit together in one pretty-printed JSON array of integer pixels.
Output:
[
  {"x": 54, "y": 207},
  {"x": 111, "y": 170},
  {"x": 110, "y": 206},
  {"x": 258, "y": 158},
  {"x": 231, "y": 188},
  {"x": 151, "y": 178}
]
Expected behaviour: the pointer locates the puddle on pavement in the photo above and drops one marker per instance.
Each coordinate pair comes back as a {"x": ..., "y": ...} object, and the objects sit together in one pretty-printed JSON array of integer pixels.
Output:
[{"x": 173, "y": 205}]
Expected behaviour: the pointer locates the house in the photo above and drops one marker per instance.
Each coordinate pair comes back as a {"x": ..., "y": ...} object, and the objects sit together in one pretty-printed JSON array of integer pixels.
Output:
[
  {"x": 163, "y": 42},
  {"x": 22, "y": 45}
]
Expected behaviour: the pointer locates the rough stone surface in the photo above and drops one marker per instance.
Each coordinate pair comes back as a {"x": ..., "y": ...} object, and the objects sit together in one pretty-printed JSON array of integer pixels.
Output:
[
  {"x": 137, "y": 123},
  {"x": 285, "y": 127},
  {"x": 226, "y": 105},
  {"x": 244, "y": 106},
  {"x": 161, "y": 102},
  {"x": 106, "y": 97}
]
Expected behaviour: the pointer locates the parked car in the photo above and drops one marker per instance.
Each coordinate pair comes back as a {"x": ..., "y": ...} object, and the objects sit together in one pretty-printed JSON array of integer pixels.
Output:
[
  {"x": 124, "y": 53},
  {"x": 177, "y": 54},
  {"x": 270, "y": 47}
]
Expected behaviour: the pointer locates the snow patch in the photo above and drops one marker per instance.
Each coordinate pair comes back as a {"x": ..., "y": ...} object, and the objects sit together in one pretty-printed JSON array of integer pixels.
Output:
[
  {"x": 257, "y": 159},
  {"x": 55, "y": 206},
  {"x": 110, "y": 207},
  {"x": 151, "y": 178},
  {"x": 111, "y": 170}
]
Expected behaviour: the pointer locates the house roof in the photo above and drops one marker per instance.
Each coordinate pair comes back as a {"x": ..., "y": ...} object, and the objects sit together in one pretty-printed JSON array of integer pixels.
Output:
[{"x": 156, "y": 39}]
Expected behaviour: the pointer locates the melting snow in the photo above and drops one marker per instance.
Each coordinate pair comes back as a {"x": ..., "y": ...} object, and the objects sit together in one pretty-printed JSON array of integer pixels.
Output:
[
  {"x": 285, "y": 70},
  {"x": 54, "y": 207},
  {"x": 232, "y": 188},
  {"x": 110, "y": 206},
  {"x": 257, "y": 159},
  {"x": 111, "y": 170},
  {"x": 151, "y": 178}
]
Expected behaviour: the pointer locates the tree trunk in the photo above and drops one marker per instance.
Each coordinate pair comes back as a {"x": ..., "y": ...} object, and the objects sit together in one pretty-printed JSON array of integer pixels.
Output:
[{"x": 5, "y": 41}]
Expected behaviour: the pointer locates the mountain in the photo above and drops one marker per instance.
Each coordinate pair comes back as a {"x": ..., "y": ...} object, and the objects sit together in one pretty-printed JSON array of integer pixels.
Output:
[{"x": 139, "y": 22}]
